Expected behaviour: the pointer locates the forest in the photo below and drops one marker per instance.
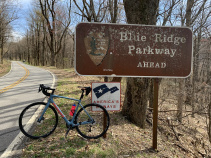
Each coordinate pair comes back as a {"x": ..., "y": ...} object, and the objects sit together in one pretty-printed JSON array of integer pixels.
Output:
[{"x": 50, "y": 41}]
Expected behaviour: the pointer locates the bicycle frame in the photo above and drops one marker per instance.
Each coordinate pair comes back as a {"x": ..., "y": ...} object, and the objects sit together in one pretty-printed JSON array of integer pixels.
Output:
[{"x": 51, "y": 101}]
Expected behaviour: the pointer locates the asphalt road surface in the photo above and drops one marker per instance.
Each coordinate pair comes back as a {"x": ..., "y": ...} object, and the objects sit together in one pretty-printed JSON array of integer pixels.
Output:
[{"x": 18, "y": 89}]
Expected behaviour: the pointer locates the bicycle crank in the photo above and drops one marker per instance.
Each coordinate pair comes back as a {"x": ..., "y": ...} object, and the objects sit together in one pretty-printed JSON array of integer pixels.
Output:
[{"x": 68, "y": 126}]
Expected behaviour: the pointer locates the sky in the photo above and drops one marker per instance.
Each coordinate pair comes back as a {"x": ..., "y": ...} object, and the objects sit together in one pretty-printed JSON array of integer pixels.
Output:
[
  {"x": 20, "y": 25},
  {"x": 23, "y": 8}
]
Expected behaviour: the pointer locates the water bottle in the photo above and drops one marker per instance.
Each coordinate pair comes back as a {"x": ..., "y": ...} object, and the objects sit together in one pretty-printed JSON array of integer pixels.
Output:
[{"x": 72, "y": 110}]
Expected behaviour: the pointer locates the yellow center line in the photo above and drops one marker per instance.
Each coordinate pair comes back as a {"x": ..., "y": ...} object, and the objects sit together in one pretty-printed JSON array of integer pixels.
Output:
[{"x": 17, "y": 82}]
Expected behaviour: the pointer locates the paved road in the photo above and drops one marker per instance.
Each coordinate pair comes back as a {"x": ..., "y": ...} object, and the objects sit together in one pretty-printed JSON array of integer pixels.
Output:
[{"x": 21, "y": 89}]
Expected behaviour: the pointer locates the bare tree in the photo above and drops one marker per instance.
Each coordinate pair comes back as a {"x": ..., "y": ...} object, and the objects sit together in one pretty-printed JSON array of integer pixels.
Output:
[
  {"x": 50, "y": 13},
  {"x": 190, "y": 13},
  {"x": 166, "y": 12},
  {"x": 113, "y": 9},
  {"x": 92, "y": 10},
  {"x": 181, "y": 81},
  {"x": 7, "y": 15}
]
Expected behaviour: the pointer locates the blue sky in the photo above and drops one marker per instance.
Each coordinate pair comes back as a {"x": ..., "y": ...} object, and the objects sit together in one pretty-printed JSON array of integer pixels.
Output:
[{"x": 23, "y": 8}]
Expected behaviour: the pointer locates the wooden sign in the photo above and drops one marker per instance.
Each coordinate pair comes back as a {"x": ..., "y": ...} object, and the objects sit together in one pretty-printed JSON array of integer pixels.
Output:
[{"x": 133, "y": 50}]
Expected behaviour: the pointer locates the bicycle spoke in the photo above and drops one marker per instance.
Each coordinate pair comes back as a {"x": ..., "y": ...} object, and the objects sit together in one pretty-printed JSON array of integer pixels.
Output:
[
  {"x": 28, "y": 121},
  {"x": 95, "y": 128}
]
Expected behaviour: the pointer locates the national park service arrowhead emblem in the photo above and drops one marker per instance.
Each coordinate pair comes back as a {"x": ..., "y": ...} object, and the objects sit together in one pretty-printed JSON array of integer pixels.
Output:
[{"x": 97, "y": 45}]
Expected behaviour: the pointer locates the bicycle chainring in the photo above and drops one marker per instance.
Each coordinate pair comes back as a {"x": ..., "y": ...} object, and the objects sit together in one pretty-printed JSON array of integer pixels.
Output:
[{"x": 69, "y": 127}]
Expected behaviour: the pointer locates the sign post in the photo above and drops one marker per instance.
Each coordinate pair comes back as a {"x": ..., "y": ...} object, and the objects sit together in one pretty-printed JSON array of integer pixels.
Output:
[
  {"x": 155, "y": 113},
  {"x": 124, "y": 50},
  {"x": 104, "y": 118}
]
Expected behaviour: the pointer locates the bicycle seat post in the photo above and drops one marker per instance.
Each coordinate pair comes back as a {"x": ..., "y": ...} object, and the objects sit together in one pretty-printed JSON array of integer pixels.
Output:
[{"x": 82, "y": 94}]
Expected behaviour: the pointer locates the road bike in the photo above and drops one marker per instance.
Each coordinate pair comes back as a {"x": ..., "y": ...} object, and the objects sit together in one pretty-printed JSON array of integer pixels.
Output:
[{"x": 39, "y": 120}]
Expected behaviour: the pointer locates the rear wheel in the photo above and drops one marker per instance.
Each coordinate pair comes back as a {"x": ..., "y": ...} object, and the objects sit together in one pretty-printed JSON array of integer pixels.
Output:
[
  {"x": 97, "y": 123},
  {"x": 31, "y": 127}
]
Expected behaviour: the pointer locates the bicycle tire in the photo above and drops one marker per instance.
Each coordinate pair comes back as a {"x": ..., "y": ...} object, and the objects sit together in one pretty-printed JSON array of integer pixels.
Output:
[
  {"x": 29, "y": 125},
  {"x": 96, "y": 129}
]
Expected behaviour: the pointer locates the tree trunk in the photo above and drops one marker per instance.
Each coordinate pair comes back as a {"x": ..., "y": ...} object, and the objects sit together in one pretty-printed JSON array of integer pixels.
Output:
[
  {"x": 182, "y": 83},
  {"x": 33, "y": 49},
  {"x": 137, "y": 92},
  {"x": 209, "y": 113},
  {"x": 113, "y": 9},
  {"x": 38, "y": 44},
  {"x": 209, "y": 63},
  {"x": 1, "y": 44},
  {"x": 52, "y": 59},
  {"x": 49, "y": 12},
  {"x": 28, "y": 47},
  {"x": 135, "y": 103},
  {"x": 2, "y": 50},
  {"x": 43, "y": 45}
]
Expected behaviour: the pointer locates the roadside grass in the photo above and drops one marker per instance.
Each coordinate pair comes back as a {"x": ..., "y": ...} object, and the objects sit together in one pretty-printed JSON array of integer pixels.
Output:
[
  {"x": 124, "y": 139},
  {"x": 5, "y": 68},
  {"x": 120, "y": 140}
]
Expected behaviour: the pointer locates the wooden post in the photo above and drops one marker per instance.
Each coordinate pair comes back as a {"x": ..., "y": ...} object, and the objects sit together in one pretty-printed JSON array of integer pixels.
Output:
[
  {"x": 104, "y": 115},
  {"x": 155, "y": 113}
]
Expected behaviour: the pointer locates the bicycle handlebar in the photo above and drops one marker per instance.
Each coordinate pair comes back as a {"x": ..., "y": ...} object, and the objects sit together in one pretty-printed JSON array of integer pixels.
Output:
[{"x": 45, "y": 89}]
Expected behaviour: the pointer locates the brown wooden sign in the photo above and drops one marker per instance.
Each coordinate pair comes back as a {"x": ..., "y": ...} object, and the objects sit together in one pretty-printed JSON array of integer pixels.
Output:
[{"x": 133, "y": 50}]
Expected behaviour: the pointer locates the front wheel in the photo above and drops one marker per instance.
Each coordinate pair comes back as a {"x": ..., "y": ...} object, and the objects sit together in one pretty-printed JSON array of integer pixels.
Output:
[
  {"x": 94, "y": 121},
  {"x": 31, "y": 127}
]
